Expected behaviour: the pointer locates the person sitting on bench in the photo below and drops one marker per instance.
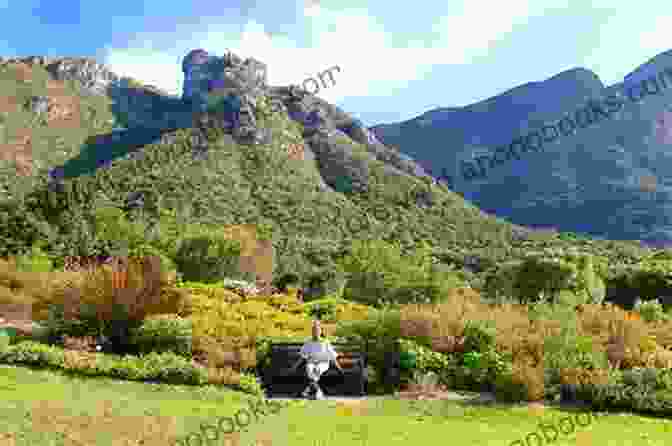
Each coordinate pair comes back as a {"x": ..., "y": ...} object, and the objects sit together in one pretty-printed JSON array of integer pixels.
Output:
[{"x": 317, "y": 356}]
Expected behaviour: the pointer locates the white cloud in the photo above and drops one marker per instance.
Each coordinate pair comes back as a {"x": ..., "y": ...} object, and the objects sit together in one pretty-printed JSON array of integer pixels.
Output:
[
  {"x": 479, "y": 25},
  {"x": 628, "y": 35},
  {"x": 352, "y": 39}
]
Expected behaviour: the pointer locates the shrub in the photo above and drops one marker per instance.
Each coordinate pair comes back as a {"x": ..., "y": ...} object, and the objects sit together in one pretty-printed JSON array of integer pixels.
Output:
[
  {"x": 164, "y": 333},
  {"x": 170, "y": 368},
  {"x": 131, "y": 238},
  {"x": 378, "y": 273},
  {"x": 626, "y": 284},
  {"x": 500, "y": 283},
  {"x": 382, "y": 325},
  {"x": 425, "y": 359},
  {"x": 367, "y": 287},
  {"x": 329, "y": 282},
  {"x": 98, "y": 306},
  {"x": 164, "y": 367},
  {"x": 408, "y": 359},
  {"x": 58, "y": 325},
  {"x": 520, "y": 382},
  {"x": 538, "y": 278},
  {"x": 223, "y": 376},
  {"x": 286, "y": 280},
  {"x": 37, "y": 262},
  {"x": 641, "y": 389},
  {"x": 55, "y": 288},
  {"x": 250, "y": 384},
  {"x": 572, "y": 351},
  {"x": 650, "y": 311},
  {"x": 40, "y": 334},
  {"x": 510, "y": 387},
  {"x": 208, "y": 258},
  {"x": 424, "y": 381},
  {"x": 33, "y": 353},
  {"x": 479, "y": 336},
  {"x": 5, "y": 341},
  {"x": 590, "y": 283},
  {"x": 325, "y": 311},
  {"x": 377, "y": 335}
]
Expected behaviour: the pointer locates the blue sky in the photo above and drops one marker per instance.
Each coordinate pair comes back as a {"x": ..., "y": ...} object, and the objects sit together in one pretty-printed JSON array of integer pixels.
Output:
[{"x": 396, "y": 61}]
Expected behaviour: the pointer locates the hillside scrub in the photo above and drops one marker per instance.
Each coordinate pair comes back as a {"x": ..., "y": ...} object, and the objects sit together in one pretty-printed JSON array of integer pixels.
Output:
[
  {"x": 378, "y": 272},
  {"x": 537, "y": 278},
  {"x": 311, "y": 228},
  {"x": 313, "y": 224}
]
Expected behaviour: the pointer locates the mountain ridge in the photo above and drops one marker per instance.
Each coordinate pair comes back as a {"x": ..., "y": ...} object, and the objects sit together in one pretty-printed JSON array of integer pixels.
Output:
[
  {"x": 319, "y": 184},
  {"x": 563, "y": 169}
]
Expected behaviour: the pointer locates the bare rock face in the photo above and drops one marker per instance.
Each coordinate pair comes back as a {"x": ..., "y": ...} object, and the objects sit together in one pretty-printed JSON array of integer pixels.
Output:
[
  {"x": 226, "y": 93},
  {"x": 207, "y": 78},
  {"x": 94, "y": 77},
  {"x": 227, "y": 90}
]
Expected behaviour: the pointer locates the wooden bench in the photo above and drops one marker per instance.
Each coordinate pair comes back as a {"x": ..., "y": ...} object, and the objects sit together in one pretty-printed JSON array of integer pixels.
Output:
[{"x": 279, "y": 379}]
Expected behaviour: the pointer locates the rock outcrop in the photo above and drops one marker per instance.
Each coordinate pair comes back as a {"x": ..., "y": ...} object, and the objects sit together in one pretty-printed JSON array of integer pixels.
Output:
[
  {"x": 91, "y": 75},
  {"x": 225, "y": 93}
]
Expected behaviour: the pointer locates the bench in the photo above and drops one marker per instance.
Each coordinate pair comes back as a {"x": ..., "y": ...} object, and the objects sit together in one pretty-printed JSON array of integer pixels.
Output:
[{"x": 278, "y": 379}]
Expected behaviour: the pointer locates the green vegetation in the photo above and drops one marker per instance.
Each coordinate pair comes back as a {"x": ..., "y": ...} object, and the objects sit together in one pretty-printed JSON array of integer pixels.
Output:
[
  {"x": 471, "y": 301},
  {"x": 42, "y": 408},
  {"x": 260, "y": 185}
]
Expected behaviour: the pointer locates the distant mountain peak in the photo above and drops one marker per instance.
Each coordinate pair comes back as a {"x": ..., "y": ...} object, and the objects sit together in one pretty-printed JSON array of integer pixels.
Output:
[{"x": 575, "y": 179}]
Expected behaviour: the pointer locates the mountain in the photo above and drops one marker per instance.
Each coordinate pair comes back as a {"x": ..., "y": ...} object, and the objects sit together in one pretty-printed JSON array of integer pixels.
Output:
[
  {"x": 78, "y": 137},
  {"x": 608, "y": 176}
]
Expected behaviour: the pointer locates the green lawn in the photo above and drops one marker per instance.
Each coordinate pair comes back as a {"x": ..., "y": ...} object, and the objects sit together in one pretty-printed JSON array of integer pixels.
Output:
[{"x": 47, "y": 408}]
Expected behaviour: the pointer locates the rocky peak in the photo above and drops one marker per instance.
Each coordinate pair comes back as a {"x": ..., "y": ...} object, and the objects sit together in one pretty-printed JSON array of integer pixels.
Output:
[
  {"x": 93, "y": 77},
  {"x": 232, "y": 94}
]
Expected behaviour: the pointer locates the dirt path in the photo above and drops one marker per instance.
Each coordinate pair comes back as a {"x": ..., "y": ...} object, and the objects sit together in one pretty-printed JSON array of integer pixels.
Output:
[{"x": 471, "y": 398}]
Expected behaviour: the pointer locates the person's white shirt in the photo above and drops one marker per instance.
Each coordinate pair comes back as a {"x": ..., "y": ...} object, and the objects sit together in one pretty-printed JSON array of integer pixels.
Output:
[{"x": 318, "y": 351}]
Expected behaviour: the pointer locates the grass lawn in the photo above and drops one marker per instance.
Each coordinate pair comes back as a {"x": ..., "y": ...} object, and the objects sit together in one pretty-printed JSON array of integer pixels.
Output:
[{"x": 48, "y": 408}]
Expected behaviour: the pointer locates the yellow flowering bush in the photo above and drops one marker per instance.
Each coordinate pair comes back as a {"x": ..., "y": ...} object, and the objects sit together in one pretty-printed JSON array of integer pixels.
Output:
[
  {"x": 286, "y": 302},
  {"x": 213, "y": 292},
  {"x": 648, "y": 344},
  {"x": 223, "y": 323},
  {"x": 254, "y": 309},
  {"x": 352, "y": 312}
]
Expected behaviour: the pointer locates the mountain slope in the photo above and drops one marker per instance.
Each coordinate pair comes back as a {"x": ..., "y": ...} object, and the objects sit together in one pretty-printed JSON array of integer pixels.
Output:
[
  {"x": 587, "y": 180},
  {"x": 340, "y": 190}
]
